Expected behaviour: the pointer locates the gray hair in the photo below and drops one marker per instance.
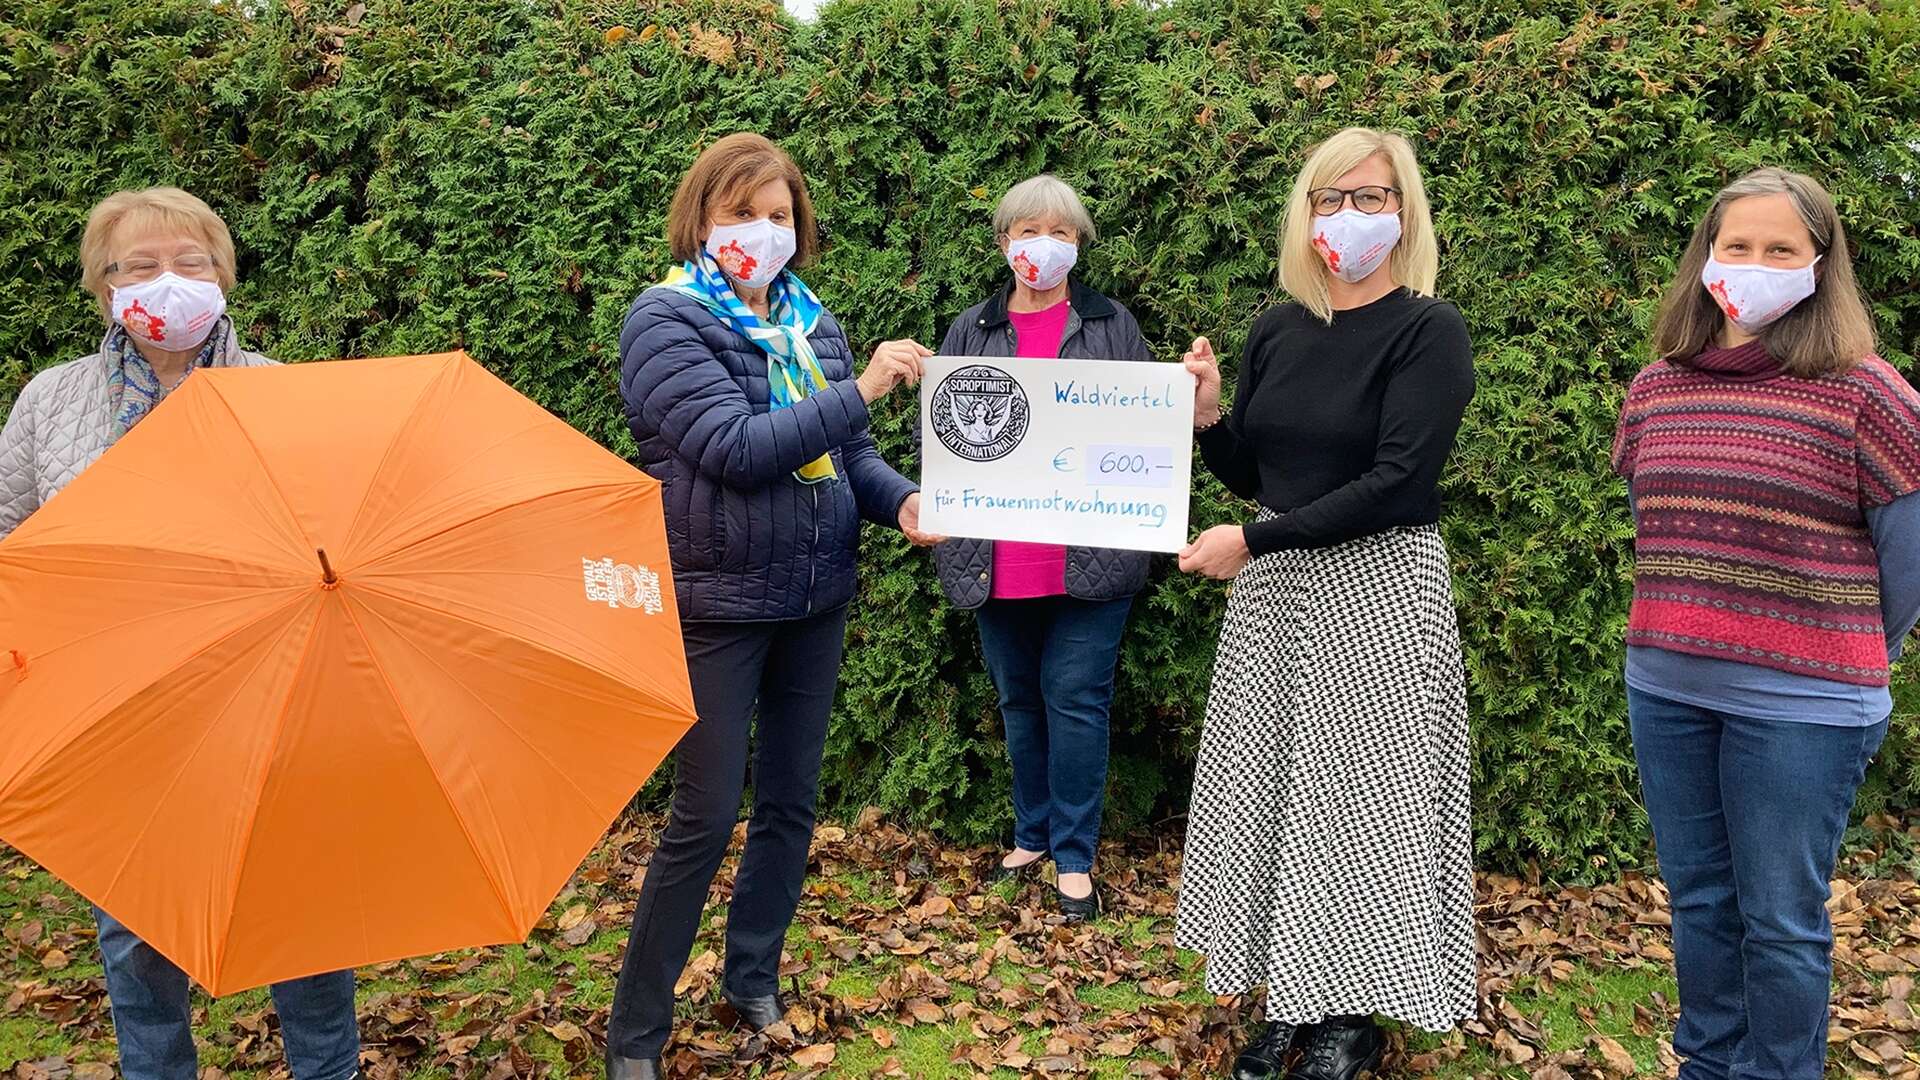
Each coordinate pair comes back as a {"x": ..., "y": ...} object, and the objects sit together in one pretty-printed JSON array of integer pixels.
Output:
[{"x": 1043, "y": 196}]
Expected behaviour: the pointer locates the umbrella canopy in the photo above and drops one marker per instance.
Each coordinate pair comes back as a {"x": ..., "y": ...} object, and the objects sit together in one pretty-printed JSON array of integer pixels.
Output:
[{"x": 334, "y": 664}]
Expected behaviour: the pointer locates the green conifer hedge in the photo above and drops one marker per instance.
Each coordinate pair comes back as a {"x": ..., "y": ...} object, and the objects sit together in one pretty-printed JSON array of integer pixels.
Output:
[{"x": 414, "y": 175}]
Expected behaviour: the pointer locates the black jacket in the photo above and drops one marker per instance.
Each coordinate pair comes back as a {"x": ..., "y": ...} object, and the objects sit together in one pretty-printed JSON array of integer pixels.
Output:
[{"x": 1097, "y": 329}]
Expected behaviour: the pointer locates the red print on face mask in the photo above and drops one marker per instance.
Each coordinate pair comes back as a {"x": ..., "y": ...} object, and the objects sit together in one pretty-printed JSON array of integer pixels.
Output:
[
  {"x": 1024, "y": 269},
  {"x": 734, "y": 260},
  {"x": 1719, "y": 291},
  {"x": 1326, "y": 251},
  {"x": 143, "y": 322}
]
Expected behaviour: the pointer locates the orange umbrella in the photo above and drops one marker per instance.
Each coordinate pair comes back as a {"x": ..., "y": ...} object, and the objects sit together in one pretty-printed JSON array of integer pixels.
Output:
[{"x": 334, "y": 664}]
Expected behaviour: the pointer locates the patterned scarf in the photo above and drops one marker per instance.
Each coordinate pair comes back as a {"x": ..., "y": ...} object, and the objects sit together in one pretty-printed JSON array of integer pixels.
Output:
[
  {"x": 793, "y": 371},
  {"x": 132, "y": 386}
]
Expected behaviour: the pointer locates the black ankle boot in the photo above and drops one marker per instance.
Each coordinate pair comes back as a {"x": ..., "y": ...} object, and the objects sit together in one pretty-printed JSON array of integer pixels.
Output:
[
  {"x": 621, "y": 1068},
  {"x": 1340, "y": 1048},
  {"x": 757, "y": 1014},
  {"x": 1265, "y": 1058}
]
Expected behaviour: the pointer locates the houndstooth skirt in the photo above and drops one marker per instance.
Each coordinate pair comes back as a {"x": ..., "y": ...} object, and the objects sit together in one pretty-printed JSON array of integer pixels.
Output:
[{"x": 1329, "y": 845}]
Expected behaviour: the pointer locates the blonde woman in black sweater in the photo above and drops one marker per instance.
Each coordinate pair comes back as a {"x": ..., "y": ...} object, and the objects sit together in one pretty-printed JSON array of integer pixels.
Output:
[{"x": 1328, "y": 850}]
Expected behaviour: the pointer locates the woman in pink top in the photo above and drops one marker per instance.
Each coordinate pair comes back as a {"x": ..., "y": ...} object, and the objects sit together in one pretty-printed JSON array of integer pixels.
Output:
[{"x": 1050, "y": 616}]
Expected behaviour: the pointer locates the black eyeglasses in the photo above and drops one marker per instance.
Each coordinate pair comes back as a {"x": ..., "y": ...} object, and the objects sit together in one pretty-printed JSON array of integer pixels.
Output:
[{"x": 1370, "y": 199}]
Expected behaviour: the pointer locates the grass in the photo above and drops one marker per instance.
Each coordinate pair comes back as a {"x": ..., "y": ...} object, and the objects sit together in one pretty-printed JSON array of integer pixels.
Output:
[
  {"x": 1600, "y": 1003},
  {"x": 26, "y": 1039},
  {"x": 1586, "y": 1000}
]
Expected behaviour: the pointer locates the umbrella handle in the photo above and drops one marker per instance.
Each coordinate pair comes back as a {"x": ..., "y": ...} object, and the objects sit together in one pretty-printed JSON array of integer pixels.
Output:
[{"x": 327, "y": 576}]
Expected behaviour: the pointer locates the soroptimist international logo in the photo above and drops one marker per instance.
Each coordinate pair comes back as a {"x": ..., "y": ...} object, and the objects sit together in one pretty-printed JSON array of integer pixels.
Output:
[
  {"x": 618, "y": 585},
  {"x": 734, "y": 260},
  {"x": 143, "y": 322},
  {"x": 980, "y": 413},
  {"x": 1321, "y": 245},
  {"x": 1719, "y": 291}
]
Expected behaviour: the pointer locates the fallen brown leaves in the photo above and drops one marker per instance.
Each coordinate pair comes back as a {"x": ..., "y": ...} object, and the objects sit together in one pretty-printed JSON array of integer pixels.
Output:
[
  {"x": 1537, "y": 938},
  {"x": 899, "y": 937}
]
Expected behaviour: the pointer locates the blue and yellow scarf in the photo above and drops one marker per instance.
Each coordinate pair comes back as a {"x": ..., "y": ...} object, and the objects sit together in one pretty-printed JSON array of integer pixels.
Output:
[{"x": 793, "y": 371}]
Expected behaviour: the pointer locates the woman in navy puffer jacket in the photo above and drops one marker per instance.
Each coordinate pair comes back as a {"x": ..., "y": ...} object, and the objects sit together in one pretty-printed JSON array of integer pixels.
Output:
[{"x": 740, "y": 390}]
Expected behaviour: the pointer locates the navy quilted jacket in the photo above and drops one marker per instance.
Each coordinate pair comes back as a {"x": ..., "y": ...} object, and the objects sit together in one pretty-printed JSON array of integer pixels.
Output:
[{"x": 750, "y": 542}]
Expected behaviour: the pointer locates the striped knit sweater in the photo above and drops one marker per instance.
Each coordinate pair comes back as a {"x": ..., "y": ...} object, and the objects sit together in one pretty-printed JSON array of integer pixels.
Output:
[{"x": 1751, "y": 488}]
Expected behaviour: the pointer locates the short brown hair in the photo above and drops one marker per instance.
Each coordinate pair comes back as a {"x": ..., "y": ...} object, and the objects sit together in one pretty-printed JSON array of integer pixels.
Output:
[
  {"x": 162, "y": 207},
  {"x": 1825, "y": 334},
  {"x": 732, "y": 170}
]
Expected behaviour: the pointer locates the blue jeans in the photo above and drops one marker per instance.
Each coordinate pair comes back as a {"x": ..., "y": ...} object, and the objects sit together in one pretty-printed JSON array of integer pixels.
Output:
[
  {"x": 1052, "y": 660},
  {"x": 154, "y": 1026},
  {"x": 1747, "y": 816}
]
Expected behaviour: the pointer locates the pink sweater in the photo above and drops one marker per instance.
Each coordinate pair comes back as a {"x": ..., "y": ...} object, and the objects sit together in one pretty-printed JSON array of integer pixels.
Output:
[{"x": 1025, "y": 571}]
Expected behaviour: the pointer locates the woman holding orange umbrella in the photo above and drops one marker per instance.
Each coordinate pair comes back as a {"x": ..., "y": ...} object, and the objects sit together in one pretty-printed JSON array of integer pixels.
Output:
[
  {"x": 160, "y": 263},
  {"x": 739, "y": 387}
]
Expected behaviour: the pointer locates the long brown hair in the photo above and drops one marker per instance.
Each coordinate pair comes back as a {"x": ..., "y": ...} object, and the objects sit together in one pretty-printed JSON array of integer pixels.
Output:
[
  {"x": 728, "y": 172},
  {"x": 1825, "y": 334}
]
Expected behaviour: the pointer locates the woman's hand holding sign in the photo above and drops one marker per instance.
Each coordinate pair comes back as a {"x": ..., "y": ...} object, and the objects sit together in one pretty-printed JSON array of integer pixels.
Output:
[
  {"x": 910, "y": 524},
  {"x": 893, "y": 363},
  {"x": 1206, "y": 384},
  {"x": 1219, "y": 553}
]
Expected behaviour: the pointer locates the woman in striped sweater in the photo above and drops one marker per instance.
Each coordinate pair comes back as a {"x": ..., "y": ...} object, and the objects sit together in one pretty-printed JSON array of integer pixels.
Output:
[{"x": 1771, "y": 460}]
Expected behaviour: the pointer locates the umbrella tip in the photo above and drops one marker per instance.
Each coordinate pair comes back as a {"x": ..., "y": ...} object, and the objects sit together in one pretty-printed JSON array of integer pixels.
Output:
[
  {"x": 327, "y": 576},
  {"x": 19, "y": 662}
]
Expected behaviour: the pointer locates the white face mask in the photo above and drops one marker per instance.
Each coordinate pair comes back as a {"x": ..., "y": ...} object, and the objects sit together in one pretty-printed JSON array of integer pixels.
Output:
[
  {"x": 754, "y": 253},
  {"x": 173, "y": 312},
  {"x": 1041, "y": 262},
  {"x": 1754, "y": 296},
  {"x": 1354, "y": 244}
]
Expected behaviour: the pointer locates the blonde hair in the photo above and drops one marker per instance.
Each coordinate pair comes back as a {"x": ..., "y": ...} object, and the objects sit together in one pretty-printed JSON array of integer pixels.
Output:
[
  {"x": 166, "y": 209},
  {"x": 1826, "y": 334},
  {"x": 1416, "y": 260},
  {"x": 1043, "y": 196}
]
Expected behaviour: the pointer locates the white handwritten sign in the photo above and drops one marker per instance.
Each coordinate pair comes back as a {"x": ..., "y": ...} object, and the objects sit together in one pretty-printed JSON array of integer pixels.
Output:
[{"x": 1090, "y": 453}]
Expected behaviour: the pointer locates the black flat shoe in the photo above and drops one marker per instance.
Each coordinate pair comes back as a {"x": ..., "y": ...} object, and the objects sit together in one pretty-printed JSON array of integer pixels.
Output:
[
  {"x": 1002, "y": 872},
  {"x": 620, "y": 1068},
  {"x": 1079, "y": 909},
  {"x": 1340, "y": 1048},
  {"x": 1265, "y": 1058},
  {"x": 757, "y": 1014}
]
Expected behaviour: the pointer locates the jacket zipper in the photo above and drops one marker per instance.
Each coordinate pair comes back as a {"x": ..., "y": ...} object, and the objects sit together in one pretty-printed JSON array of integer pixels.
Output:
[
  {"x": 813, "y": 554},
  {"x": 1074, "y": 325}
]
